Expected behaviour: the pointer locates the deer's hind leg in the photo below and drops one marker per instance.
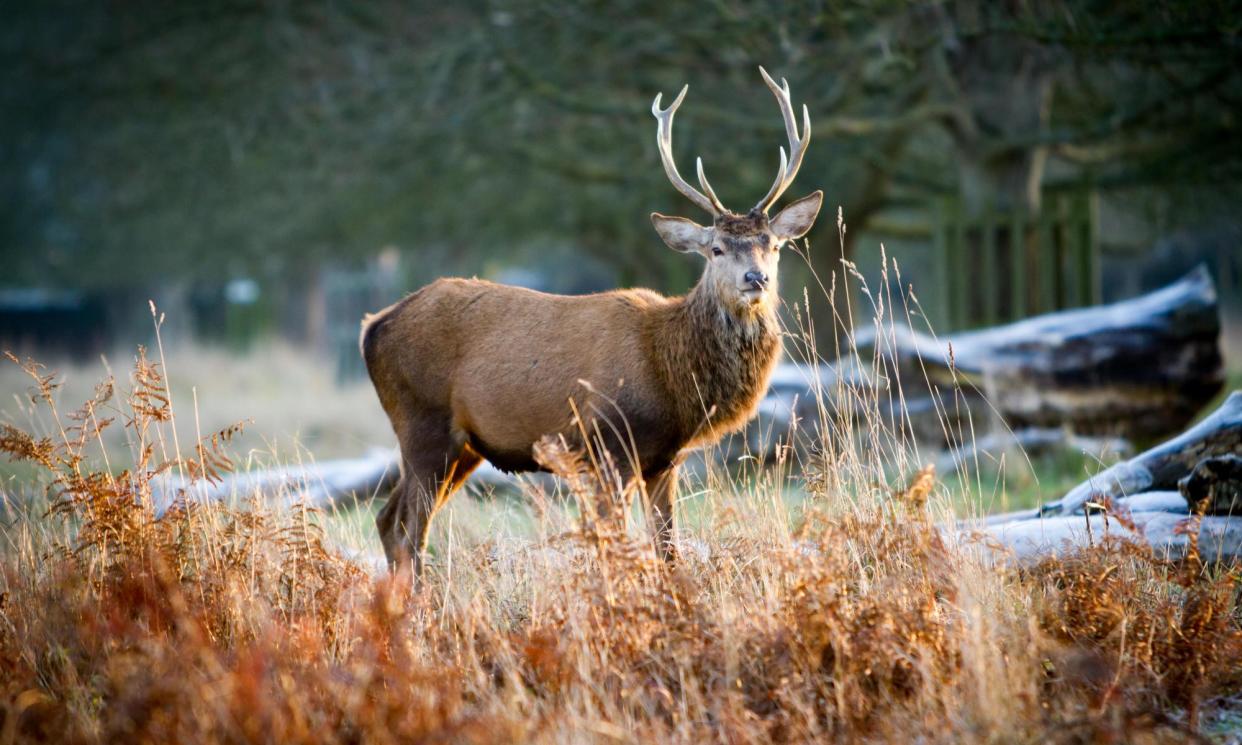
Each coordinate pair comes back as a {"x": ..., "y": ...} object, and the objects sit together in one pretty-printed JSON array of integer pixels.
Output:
[{"x": 434, "y": 463}]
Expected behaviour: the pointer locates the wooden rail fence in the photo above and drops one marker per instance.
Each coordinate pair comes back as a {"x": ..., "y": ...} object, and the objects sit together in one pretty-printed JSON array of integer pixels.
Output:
[{"x": 1002, "y": 267}]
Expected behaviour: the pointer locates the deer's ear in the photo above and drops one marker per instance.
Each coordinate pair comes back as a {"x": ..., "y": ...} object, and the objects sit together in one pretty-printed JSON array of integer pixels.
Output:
[
  {"x": 681, "y": 234},
  {"x": 796, "y": 220}
]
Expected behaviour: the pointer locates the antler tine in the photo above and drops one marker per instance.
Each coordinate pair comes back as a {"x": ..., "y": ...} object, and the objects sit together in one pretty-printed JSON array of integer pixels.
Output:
[
  {"x": 797, "y": 144},
  {"x": 664, "y": 143},
  {"x": 711, "y": 193}
]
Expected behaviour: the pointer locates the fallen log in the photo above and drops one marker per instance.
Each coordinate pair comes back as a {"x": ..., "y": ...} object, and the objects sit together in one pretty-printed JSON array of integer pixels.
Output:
[
  {"x": 319, "y": 484},
  {"x": 1193, "y": 479},
  {"x": 1220, "y": 538},
  {"x": 1154, "y": 501},
  {"x": 1163, "y": 466},
  {"x": 1139, "y": 369},
  {"x": 329, "y": 482},
  {"x": 1160, "y": 469}
]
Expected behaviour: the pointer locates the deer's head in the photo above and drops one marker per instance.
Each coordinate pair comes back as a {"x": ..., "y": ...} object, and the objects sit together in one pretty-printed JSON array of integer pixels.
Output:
[{"x": 742, "y": 250}]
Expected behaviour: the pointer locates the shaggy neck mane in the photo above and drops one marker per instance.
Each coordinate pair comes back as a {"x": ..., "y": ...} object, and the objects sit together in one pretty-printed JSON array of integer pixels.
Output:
[{"x": 715, "y": 360}]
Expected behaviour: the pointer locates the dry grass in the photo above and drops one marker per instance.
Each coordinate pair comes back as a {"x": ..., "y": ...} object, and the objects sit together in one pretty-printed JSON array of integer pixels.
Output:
[
  {"x": 236, "y": 623},
  {"x": 288, "y": 398},
  {"x": 853, "y": 618}
]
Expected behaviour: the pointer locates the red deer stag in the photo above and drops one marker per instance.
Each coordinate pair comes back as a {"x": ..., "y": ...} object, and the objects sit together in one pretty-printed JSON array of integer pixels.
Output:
[{"x": 467, "y": 369}]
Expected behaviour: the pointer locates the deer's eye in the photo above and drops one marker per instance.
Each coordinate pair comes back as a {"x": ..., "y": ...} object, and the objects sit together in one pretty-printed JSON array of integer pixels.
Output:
[{"x": 717, "y": 251}]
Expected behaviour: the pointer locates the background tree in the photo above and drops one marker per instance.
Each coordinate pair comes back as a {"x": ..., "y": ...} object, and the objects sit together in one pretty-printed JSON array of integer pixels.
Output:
[{"x": 152, "y": 140}]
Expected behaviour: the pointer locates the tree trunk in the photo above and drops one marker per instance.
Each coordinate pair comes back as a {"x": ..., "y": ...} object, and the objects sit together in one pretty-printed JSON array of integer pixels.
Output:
[{"x": 1004, "y": 84}]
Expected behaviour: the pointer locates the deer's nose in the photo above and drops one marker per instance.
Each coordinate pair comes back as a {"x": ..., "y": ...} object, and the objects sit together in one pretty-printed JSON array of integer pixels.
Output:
[{"x": 756, "y": 279}]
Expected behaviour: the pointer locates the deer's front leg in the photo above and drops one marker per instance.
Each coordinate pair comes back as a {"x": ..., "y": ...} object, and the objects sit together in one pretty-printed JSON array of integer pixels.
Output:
[{"x": 662, "y": 490}]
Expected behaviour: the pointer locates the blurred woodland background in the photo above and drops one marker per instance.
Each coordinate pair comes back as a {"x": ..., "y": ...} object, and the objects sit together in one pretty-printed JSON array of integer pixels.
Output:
[{"x": 271, "y": 169}]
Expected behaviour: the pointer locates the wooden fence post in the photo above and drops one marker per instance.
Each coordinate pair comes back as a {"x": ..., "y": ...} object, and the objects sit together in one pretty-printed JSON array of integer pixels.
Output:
[
  {"x": 989, "y": 287},
  {"x": 1017, "y": 267},
  {"x": 957, "y": 253},
  {"x": 1089, "y": 262}
]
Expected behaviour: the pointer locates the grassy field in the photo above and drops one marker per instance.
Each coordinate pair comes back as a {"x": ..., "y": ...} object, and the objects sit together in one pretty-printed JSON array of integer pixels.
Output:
[{"x": 822, "y": 606}]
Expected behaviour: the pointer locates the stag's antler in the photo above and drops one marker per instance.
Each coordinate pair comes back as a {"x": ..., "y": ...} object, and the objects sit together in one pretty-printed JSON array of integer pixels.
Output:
[
  {"x": 797, "y": 145},
  {"x": 664, "y": 141}
]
